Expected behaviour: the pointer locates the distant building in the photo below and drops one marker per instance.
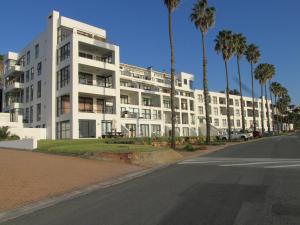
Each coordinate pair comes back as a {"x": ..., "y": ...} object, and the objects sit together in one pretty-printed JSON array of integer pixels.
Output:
[{"x": 70, "y": 81}]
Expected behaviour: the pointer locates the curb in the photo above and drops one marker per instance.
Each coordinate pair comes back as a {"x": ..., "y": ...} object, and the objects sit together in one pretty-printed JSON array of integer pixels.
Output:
[{"x": 27, "y": 209}]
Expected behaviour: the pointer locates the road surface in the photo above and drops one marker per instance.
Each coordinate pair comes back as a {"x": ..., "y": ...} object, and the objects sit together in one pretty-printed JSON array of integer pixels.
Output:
[{"x": 257, "y": 183}]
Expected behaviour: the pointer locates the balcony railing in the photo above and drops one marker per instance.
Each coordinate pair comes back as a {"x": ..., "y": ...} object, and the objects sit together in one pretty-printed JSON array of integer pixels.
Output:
[
  {"x": 105, "y": 59},
  {"x": 106, "y": 110}
]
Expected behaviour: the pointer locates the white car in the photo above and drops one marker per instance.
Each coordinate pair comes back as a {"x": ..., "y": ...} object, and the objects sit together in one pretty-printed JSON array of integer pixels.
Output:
[{"x": 235, "y": 136}]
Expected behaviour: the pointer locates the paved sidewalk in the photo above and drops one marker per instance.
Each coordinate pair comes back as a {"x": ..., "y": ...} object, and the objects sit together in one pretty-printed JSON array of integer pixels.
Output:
[{"x": 27, "y": 177}]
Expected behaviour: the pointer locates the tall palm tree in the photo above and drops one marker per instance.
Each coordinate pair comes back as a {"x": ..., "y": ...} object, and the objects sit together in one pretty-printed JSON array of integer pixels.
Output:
[
  {"x": 261, "y": 73},
  {"x": 270, "y": 73},
  {"x": 253, "y": 55},
  {"x": 203, "y": 17},
  {"x": 171, "y": 6},
  {"x": 271, "y": 98},
  {"x": 225, "y": 46},
  {"x": 276, "y": 90},
  {"x": 240, "y": 46}
]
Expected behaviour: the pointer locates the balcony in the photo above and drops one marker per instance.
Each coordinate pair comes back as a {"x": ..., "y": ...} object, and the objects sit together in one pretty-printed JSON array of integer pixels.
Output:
[
  {"x": 14, "y": 86},
  {"x": 13, "y": 70}
]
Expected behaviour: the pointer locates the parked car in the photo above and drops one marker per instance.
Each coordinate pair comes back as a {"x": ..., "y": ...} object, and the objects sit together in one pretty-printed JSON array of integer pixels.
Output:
[{"x": 235, "y": 136}]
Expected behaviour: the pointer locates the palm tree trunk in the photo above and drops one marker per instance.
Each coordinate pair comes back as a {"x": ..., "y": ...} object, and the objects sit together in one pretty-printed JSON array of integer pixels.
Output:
[
  {"x": 173, "y": 113},
  {"x": 268, "y": 110},
  {"x": 272, "y": 106},
  {"x": 277, "y": 116},
  {"x": 253, "y": 107},
  {"x": 205, "y": 89},
  {"x": 262, "y": 110},
  {"x": 227, "y": 101},
  {"x": 241, "y": 94}
]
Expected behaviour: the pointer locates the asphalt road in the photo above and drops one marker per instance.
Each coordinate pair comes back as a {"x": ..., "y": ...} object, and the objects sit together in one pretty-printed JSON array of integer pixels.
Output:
[{"x": 257, "y": 183}]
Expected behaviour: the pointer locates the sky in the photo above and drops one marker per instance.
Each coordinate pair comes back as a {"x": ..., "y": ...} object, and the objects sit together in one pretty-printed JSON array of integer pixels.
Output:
[{"x": 140, "y": 28}]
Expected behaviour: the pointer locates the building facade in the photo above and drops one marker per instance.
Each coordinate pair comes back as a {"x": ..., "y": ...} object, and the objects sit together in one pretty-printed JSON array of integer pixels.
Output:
[{"x": 70, "y": 81}]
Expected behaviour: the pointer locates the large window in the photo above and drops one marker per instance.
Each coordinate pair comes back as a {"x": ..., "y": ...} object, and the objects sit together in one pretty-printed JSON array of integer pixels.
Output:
[
  {"x": 26, "y": 119},
  {"x": 87, "y": 128},
  {"x": 37, "y": 51},
  {"x": 63, "y": 53},
  {"x": 147, "y": 101},
  {"x": 27, "y": 94},
  {"x": 106, "y": 126},
  {"x": 38, "y": 112},
  {"x": 28, "y": 57},
  {"x": 39, "y": 89},
  {"x": 156, "y": 114},
  {"x": 144, "y": 130},
  {"x": 85, "y": 104},
  {"x": 63, "y": 77},
  {"x": 63, "y": 105},
  {"x": 63, "y": 130},
  {"x": 200, "y": 110},
  {"x": 146, "y": 113},
  {"x": 155, "y": 130},
  {"x": 124, "y": 99},
  {"x": 85, "y": 78},
  {"x": 27, "y": 76},
  {"x": 39, "y": 68},
  {"x": 31, "y": 92},
  {"x": 31, "y": 114},
  {"x": 32, "y": 73},
  {"x": 104, "y": 81}
]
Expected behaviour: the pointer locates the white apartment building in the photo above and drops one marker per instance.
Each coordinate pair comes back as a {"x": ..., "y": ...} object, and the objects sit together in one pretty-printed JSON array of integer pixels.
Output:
[{"x": 70, "y": 81}]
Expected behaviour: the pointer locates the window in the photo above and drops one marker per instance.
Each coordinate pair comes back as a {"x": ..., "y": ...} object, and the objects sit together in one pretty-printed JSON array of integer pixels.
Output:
[
  {"x": 31, "y": 114},
  {"x": 124, "y": 99},
  {"x": 32, "y": 73},
  {"x": 223, "y": 111},
  {"x": 156, "y": 114},
  {"x": 31, "y": 92},
  {"x": 167, "y": 104},
  {"x": 238, "y": 123},
  {"x": 37, "y": 51},
  {"x": 146, "y": 113},
  {"x": 155, "y": 130},
  {"x": 147, "y": 101},
  {"x": 191, "y": 105},
  {"x": 237, "y": 102},
  {"x": 85, "y": 78},
  {"x": 39, "y": 89},
  {"x": 38, "y": 112},
  {"x": 216, "y": 122},
  {"x": 185, "y": 81},
  {"x": 106, "y": 126},
  {"x": 200, "y": 98},
  {"x": 26, "y": 120},
  {"x": 39, "y": 68},
  {"x": 63, "y": 105},
  {"x": 201, "y": 112},
  {"x": 27, "y": 76},
  {"x": 28, "y": 57},
  {"x": 27, "y": 94},
  {"x": 85, "y": 104},
  {"x": 144, "y": 130},
  {"x": 222, "y": 101},
  {"x": 87, "y": 128},
  {"x": 216, "y": 111},
  {"x": 104, "y": 81},
  {"x": 63, "y": 77},
  {"x": 237, "y": 112},
  {"x": 230, "y": 101},
  {"x": 215, "y": 100},
  {"x": 63, "y": 130},
  {"x": 63, "y": 53},
  {"x": 224, "y": 122}
]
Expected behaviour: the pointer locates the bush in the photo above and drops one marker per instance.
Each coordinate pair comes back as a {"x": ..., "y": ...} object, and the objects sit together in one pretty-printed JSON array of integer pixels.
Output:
[
  {"x": 189, "y": 148},
  {"x": 4, "y": 133}
]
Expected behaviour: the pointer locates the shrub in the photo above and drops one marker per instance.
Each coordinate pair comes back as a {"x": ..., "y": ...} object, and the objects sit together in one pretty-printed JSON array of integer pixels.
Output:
[
  {"x": 4, "y": 133},
  {"x": 13, "y": 137},
  {"x": 189, "y": 148}
]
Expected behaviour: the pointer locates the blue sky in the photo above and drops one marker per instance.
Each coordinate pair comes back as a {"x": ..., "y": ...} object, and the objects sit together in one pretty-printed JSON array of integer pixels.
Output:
[{"x": 140, "y": 28}]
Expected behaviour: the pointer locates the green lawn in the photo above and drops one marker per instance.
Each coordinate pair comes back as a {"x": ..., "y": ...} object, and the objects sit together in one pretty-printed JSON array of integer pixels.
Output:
[{"x": 80, "y": 147}]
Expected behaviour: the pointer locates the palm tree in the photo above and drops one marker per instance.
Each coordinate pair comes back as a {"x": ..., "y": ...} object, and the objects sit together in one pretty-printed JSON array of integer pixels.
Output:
[
  {"x": 270, "y": 73},
  {"x": 253, "y": 55},
  {"x": 225, "y": 46},
  {"x": 240, "y": 45},
  {"x": 276, "y": 90},
  {"x": 261, "y": 73},
  {"x": 271, "y": 98},
  {"x": 283, "y": 102},
  {"x": 171, "y": 6},
  {"x": 203, "y": 17}
]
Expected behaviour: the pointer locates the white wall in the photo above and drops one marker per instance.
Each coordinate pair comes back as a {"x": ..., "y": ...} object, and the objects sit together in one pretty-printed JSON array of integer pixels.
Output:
[
  {"x": 28, "y": 144},
  {"x": 27, "y": 133}
]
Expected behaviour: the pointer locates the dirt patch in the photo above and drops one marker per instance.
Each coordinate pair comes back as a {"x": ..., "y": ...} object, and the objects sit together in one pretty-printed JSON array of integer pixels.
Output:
[{"x": 26, "y": 177}]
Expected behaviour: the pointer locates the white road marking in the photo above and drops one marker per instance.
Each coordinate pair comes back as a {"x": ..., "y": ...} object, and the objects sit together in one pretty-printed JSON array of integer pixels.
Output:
[
  {"x": 259, "y": 163},
  {"x": 197, "y": 162},
  {"x": 282, "y": 166}
]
